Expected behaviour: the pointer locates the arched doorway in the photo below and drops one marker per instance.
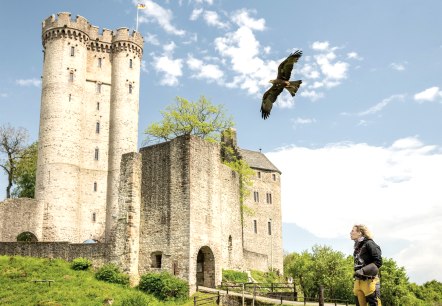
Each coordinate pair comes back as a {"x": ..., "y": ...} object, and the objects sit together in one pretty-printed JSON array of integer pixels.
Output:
[
  {"x": 27, "y": 237},
  {"x": 205, "y": 268}
]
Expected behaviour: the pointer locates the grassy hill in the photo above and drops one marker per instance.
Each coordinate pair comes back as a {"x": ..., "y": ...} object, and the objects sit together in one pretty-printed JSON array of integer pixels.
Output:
[{"x": 69, "y": 287}]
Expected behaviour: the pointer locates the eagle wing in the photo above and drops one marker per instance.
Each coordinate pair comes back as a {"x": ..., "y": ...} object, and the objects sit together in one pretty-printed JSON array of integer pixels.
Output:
[
  {"x": 268, "y": 99},
  {"x": 285, "y": 68}
]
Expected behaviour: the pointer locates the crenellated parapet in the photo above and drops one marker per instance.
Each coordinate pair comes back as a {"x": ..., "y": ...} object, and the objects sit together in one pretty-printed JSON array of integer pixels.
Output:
[
  {"x": 123, "y": 40},
  {"x": 62, "y": 26}
]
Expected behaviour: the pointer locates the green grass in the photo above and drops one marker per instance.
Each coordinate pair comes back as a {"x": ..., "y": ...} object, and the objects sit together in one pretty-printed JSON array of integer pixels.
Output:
[{"x": 70, "y": 287}]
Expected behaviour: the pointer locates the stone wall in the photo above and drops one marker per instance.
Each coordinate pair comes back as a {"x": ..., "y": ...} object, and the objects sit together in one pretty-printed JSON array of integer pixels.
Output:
[
  {"x": 17, "y": 216},
  {"x": 96, "y": 252}
]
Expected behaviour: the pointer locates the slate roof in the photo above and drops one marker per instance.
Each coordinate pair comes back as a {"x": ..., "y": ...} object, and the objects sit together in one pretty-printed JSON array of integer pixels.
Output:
[{"x": 258, "y": 160}]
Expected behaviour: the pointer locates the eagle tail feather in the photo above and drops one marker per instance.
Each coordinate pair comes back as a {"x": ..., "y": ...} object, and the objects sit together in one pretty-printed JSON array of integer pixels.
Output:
[{"x": 293, "y": 87}]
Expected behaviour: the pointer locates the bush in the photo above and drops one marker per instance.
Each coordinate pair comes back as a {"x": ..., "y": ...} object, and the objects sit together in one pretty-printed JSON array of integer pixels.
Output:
[
  {"x": 164, "y": 286},
  {"x": 111, "y": 274},
  {"x": 136, "y": 299},
  {"x": 235, "y": 276},
  {"x": 81, "y": 263}
]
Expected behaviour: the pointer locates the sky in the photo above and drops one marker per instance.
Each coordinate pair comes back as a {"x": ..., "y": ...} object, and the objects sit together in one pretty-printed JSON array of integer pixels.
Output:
[{"x": 359, "y": 143}]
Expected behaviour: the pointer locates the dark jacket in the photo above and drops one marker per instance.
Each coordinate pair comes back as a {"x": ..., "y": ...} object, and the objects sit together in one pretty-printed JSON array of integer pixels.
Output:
[{"x": 367, "y": 252}]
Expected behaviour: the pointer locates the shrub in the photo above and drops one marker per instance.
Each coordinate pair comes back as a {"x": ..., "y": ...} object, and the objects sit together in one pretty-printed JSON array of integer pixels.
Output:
[
  {"x": 136, "y": 299},
  {"x": 81, "y": 263},
  {"x": 235, "y": 276},
  {"x": 164, "y": 286},
  {"x": 111, "y": 274}
]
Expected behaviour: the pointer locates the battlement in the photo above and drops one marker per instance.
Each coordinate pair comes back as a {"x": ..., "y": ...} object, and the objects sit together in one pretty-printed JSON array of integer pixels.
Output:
[
  {"x": 53, "y": 26},
  {"x": 123, "y": 34}
]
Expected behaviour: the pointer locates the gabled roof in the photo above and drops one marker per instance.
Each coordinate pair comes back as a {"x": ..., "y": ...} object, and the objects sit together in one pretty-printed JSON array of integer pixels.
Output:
[{"x": 257, "y": 160}]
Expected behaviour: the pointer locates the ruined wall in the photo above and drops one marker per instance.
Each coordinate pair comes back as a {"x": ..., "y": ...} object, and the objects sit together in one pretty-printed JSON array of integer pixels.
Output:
[
  {"x": 214, "y": 211},
  {"x": 190, "y": 200},
  {"x": 96, "y": 252},
  {"x": 18, "y": 216}
]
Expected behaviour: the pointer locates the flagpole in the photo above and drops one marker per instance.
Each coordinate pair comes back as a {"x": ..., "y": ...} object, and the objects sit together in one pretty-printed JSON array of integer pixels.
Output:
[{"x": 136, "y": 29}]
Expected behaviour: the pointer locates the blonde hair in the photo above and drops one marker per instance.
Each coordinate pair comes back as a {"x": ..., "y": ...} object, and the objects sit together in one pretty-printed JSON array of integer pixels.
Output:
[{"x": 364, "y": 230}]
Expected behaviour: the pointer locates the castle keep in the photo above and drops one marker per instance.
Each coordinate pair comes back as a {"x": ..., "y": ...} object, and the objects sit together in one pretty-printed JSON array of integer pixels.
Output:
[{"x": 173, "y": 206}]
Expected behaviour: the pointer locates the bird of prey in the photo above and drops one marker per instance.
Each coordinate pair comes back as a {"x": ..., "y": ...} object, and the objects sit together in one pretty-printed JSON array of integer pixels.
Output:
[{"x": 282, "y": 81}]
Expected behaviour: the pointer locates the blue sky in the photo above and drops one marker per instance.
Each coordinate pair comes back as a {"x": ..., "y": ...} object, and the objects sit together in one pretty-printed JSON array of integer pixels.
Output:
[{"x": 360, "y": 142}]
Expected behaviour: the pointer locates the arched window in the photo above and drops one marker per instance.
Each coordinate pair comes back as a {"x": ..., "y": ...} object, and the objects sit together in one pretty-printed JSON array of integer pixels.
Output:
[{"x": 27, "y": 237}]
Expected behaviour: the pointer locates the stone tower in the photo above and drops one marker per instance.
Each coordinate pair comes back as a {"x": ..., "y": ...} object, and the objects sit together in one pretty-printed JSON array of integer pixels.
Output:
[{"x": 88, "y": 119}]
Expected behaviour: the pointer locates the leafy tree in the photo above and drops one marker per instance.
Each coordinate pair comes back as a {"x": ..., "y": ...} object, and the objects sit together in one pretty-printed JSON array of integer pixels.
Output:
[
  {"x": 12, "y": 144},
  {"x": 300, "y": 267},
  {"x": 25, "y": 173},
  {"x": 200, "y": 118}
]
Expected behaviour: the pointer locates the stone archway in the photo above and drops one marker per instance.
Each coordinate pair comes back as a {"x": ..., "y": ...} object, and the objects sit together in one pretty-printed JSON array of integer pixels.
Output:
[
  {"x": 205, "y": 268},
  {"x": 27, "y": 237}
]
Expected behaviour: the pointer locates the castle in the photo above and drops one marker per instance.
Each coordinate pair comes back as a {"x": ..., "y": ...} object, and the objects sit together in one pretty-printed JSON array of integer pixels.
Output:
[{"x": 173, "y": 206}]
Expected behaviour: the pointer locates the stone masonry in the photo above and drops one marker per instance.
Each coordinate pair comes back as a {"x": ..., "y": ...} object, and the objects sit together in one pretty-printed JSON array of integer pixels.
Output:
[{"x": 174, "y": 206}]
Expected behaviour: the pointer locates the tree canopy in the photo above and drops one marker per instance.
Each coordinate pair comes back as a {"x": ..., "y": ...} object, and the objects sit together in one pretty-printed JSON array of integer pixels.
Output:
[
  {"x": 12, "y": 144},
  {"x": 200, "y": 118},
  {"x": 25, "y": 174}
]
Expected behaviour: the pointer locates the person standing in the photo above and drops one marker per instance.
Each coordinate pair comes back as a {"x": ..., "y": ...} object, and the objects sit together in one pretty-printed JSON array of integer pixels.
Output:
[{"x": 367, "y": 261}]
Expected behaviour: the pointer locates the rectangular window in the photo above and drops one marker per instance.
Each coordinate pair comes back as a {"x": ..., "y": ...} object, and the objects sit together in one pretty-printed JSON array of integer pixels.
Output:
[
  {"x": 99, "y": 62},
  {"x": 269, "y": 225},
  {"x": 98, "y": 88},
  {"x": 96, "y": 154},
  {"x": 269, "y": 198},
  {"x": 72, "y": 51},
  {"x": 256, "y": 196},
  {"x": 158, "y": 261},
  {"x": 274, "y": 176},
  {"x": 259, "y": 174},
  {"x": 255, "y": 227}
]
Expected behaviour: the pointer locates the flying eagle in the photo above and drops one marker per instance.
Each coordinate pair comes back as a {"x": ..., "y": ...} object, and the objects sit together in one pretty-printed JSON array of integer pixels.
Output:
[{"x": 281, "y": 82}]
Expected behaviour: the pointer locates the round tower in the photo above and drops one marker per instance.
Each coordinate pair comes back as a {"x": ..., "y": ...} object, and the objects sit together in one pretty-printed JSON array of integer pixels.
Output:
[
  {"x": 127, "y": 52},
  {"x": 59, "y": 147}
]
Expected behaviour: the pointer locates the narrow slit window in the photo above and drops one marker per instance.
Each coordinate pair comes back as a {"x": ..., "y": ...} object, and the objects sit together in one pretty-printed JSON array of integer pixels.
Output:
[
  {"x": 98, "y": 105},
  {"x": 274, "y": 176},
  {"x": 255, "y": 227},
  {"x": 95, "y": 186},
  {"x": 94, "y": 217},
  {"x": 130, "y": 63},
  {"x": 72, "y": 51},
  {"x": 97, "y": 128},
  {"x": 98, "y": 88},
  {"x": 70, "y": 97},
  {"x": 269, "y": 225},
  {"x": 130, "y": 88},
  {"x": 96, "y": 153},
  {"x": 99, "y": 62},
  {"x": 259, "y": 174},
  {"x": 71, "y": 76}
]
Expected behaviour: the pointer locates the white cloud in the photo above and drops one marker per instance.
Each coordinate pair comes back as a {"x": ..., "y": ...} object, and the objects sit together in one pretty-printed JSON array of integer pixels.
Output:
[
  {"x": 312, "y": 94},
  {"x": 210, "y": 2},
  {"x": 156, "y": 13},
  {"x": 431, "y": 94},
  {"x": 354, "y": 55},
  {"x": 29, "y": 82},
  {"x": 171, "y": 68},
  {"x": 320, "y": 46},
  {"x": 243, "y": 19},
  {"x": 398, "y": 66},
  {"x": 151, "y": 38},
  {"x": 205, "y": 71},
  {"x": 395, "y": 190},
  {"x": 212, "y": 19},
  {"x": 302, "y": 121},
  {"x": 196, "y": 14},
  {"x": 381, "y": 105},
  {"x": 3, "y": 95}
]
